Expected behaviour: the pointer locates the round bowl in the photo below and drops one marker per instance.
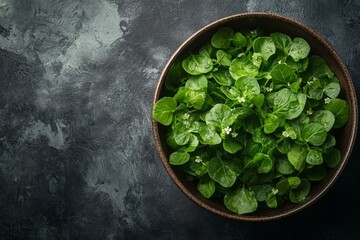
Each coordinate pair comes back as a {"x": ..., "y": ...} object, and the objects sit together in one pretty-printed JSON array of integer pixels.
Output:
[{"x": 345, "y": 138}]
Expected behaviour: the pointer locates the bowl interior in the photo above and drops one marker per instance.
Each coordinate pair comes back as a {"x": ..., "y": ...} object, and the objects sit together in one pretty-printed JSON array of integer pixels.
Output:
[{"x": 345, "y": 137}]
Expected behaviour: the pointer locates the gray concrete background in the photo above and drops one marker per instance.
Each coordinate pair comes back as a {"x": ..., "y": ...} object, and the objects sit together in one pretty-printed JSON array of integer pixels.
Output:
[{"x": 77, "y": 157}]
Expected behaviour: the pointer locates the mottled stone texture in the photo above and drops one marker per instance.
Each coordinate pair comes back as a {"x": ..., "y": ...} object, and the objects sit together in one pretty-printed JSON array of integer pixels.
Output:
[{"x": 77, "y": 158}]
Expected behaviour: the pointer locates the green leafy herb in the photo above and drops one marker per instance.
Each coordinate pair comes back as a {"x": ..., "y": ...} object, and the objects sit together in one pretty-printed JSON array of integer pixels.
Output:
[{"x": 250, "y": 118}]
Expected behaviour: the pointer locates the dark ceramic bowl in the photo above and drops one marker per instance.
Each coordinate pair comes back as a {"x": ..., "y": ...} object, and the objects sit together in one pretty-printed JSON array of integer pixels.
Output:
[{"x": 345, "y": 137}]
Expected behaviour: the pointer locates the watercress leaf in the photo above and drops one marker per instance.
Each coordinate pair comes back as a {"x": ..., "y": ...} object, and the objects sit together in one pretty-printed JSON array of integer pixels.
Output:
[
  {"x": 258, "y": 100},
  {"x": 271, "y": 123},
  {"x": 314, "y": 133},
  {"x": 316, "y": 93},
  {"x": 206, "y": 186},
  {"x": 264, "y": 161},
  {"x": 297, "y": 156},
  {"x": 330, "y": 141},
  {"x": 314, "y": 156},
  {"x": 284, "y": 145},
  {"x": 192, "y": 144},
  {"x": 223, "y": 58},
  {"x": 288, "y": 104},
  {"x": 222, "y": 116},
  {"x": 230, "y": 92},
  {"x": 241, "y": 201},
  {"x": 265, "y": 46},
  {"x": 220, "y": 172},
  {"x": 299, "y": 66},
  {"x": 325, "y": 118},
  {"x": 239, "y": 40},
  {"x": 332, "y": 90},
  {"x": 283, "y": 75},
  {"x": 223, "y": 78},
  {"x": 242, "y": 66},
  {"x": 163, "y": 110},
  {"x": 199, "y": 82},
  {"x": 283, "y": 187},
  {"x": 209, "y": 135},
  {"x": 197, "y": 64},
  {"x": 284, "y": 167},
  {"x": 248, "y": 86},
  {"x": 281, "y": 41},
  {"x": 261, "y": 191},
  {"x": 257, "y": 59},
  {"x": 299, "y": 49},
  {"x": 332, "y": 157},
  {"x": 231, "y": 145},
  {"x": 175, "y": 76},
  {"x": 317, "y": 68},
  {"x": 340, "y": 109},
  {"x": 195, "y": 98},
  {"x": 271, "y": 200},
  {"x": 179, "y": 158},
  {"x": 222, "y": 38},
  {"x": 316, "y": 173},
  {"x": 299, "y": 194},
  {"x": 207, "y": 49},
  {"x": 198, "y": 169},
  {"x": 294, "y": 182}
]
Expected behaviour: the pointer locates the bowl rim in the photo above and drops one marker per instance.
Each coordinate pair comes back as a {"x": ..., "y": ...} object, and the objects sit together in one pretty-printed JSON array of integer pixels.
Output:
[{"x": 353, "y": 117}]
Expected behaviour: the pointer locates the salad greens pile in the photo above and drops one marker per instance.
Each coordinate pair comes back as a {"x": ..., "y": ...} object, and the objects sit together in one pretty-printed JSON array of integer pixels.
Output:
[{"x": 250, "y": 118}]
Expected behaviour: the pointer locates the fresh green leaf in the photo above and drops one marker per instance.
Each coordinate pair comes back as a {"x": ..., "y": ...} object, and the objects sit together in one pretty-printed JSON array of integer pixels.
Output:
[
  {"x": 222, "y": 38},
  {"x": 265, "y": 46},
  {"x": 239, "y": 40},
  {"x": 314, "y": 133},
  {"x": 332, "y": 157},
  {"x": 163, "y": 110},
  {"x": 314, "y": 156},
  {"x": 281, "y": 41},
  {"x": 197, "y": 83},
  {"x": 297, "y": 156},
  {"x": 299, "y": 49},
  {"x": 242, "y": 67},
  {"x": 241, "y": 201},
  {"x": 300, "y": 193},
  {"x": 284, "y": 167},
  {"x": 332, "y": 90},
  {"x": 271, "y": 123},
  {"x": 231, "y": 145},
  {"x": 223, "y": 58},
  {"x": 220, "y": 172},
  {"x": 340, "y": 109},
  {"x": 325, "y": 118},
  {"x": 179, "y": 158},
  {"x": 206, "y": 187},
  {"x": 197, "y": 64},
  {"x": 283, "y": 75},
  {"x": 209, "y": 135}
]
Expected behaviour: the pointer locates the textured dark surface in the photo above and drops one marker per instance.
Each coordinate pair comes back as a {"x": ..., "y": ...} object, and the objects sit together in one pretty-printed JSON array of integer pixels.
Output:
[{"x": 77, "y": 157}]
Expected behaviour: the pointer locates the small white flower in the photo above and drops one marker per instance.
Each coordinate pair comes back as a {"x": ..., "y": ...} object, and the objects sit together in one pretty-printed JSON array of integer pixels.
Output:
[
  {"x": 241, "y": 99},
  {"x": 285, "y": 134},
  {"x": 327, "y": 100},
  {"x": 187, "y": 123},
  {"x": 198, "y": 159},
  {"x": 186, "y": 116},
  {"x": 268, "y": 89},
  {"x": 274, "y": 191},
  {"x": 227, "y": 130},
  {"x": 234, "y": 134},
  {"x": 309, "y": 112}
]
